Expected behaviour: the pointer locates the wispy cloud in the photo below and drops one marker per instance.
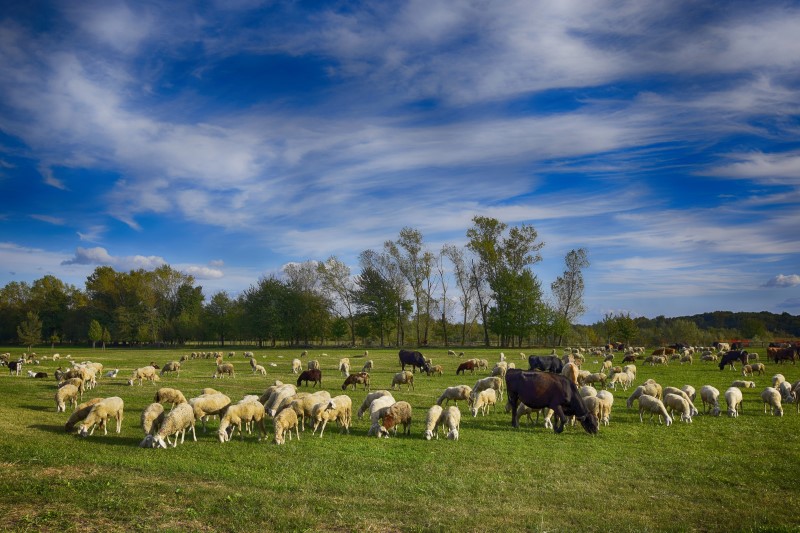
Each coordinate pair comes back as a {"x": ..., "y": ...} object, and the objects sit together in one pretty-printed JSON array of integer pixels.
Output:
[
  {"x": 93, "y": 234},
  {"x": 56, "y": 221},
  {"x": 100, "y": 256}
]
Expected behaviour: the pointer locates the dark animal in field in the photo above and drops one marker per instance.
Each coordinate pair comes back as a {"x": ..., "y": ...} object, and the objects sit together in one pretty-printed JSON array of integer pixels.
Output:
[
  {"x": 663, "y": 351},
  {"x": 415, "y": 359},
  {"x": 538, "y": 390},
  {"x": 466, "y": 365},
  {"x": 314, "y": 375},
  {"x": 14, "y": 367},
  {"x": 354, "y": 379},
  {"x": 546, "y": 363},
  {"x": 782, "y": 354},
  {"x": 629, "y": 358},
  {"x": 729, "y": 358}
]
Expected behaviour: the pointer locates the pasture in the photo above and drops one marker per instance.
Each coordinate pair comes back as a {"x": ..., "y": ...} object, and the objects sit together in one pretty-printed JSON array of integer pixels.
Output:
[{"x": 716, "y": 474}]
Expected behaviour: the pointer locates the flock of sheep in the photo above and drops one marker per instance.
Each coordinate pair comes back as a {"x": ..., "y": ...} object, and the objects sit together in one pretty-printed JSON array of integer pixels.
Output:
[{"x": 290, "y": 409}]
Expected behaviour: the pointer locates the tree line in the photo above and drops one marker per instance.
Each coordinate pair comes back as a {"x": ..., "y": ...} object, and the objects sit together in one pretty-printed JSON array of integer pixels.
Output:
[{"x": 403, "y": 293}]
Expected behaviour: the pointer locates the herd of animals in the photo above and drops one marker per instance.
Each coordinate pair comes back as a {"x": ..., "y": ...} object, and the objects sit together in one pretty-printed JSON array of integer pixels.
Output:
[{"x": 553, "y": 386}]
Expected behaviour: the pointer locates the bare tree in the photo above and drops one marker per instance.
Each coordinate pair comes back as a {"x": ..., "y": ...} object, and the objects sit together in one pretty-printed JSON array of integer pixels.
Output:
[
  {"x": 337, "y": 282},
  {"x": 461, "y": 273},
  {"x": 568, "y": 288}
]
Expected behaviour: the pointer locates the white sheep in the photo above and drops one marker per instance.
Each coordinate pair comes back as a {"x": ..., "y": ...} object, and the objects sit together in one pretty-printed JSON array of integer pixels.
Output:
[
  {"x": 224, "y": 369},
  {"x": 678, "y": 403},
  {"x": 344, "y": 366},
  {"x": 371, "y": 397},
  {"x": 451, "y": 421},
  {"x": 152, "y": 418},
  {"x": 742, "y": 384},
  {"x": 284, "y": 422},
  {"x": 483, "y": 401},
  {"x": 625, "y": 379},
  {"x": 112, "y": 407},
  {"x": 169, "y": 395},
  {"x": 175, "y": 422},
  {"x": 733, "y": 397},
  {"x": 605, "y": 403},
  {"x": 458, "y": 392},
  {"x": 144, "y": 373},
  {"x": 304, "y": 406},
  {"x": 690, "y": 392},
  {"x": 377, "y": 410},
  {"x": 368, "y": 365},
  {"x": 492, "y": 382},
  {"x": 80, "y": 413},
  {"x": 67, "y": 393},
  {"x": 586, "y": 391},
  {"x": 276, "y": 398},
  {"x": 432, "y": 422},
  {"x": 777, "y": 379},
  {"x": 710, "y": 395},
  {"x": 207, "y": 405},
  {"x": 112, "y": 373},
  {"x": 654, "y": 406},
  {"x": 260, "y": 370},
  {"x": 247, "y": 410},
  {"x": 313, "y": 364},
  {"x": 786, "y": 392},
  {"x": 297, "y": 366},
  {"x": 339, "y": 408},
  {"x": 772, "y": 398},
  {"x": 680, "y": 392},
  {"x": 404, "y": 377}
]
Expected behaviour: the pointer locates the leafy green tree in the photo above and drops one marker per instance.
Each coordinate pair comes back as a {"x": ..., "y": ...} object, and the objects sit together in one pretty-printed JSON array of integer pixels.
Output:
[
  {"x": 219, "y": 316},
  {"x": 378, "y": 298},
  {"x": 29, "y": 331},
  {"x": 504, "y": 258},
  {"x": 95, "y": 332},
  {"x": 106, "y": 338}
]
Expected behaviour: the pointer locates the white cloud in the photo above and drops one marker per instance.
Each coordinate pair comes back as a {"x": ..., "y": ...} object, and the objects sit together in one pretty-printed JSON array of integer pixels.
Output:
[
  {"x": 100, "y": 256},
  {"x": 783, "y": 281},
  {"x": 56, "y": 221},
  {"x": 93, "y": 234},
  {"x": 200, "y": 272}
]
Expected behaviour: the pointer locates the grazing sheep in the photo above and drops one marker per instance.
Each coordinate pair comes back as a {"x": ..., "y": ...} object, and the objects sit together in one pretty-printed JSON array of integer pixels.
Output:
[
  {"x": 399, "y": 413},
  {"x": 80, "y": 413},
  {"x": 605, "y": 402},
  {"x": 152, "y": 418},
  {"x": 459, "y": 392},
  {"x": 451, "y": 420},
  {"x": 645, "y": 388},
  {"x": 571, "y": 371},
  {"x": 176, "y": 421},
  {"x": 625, "y": 379},
  {"x": 733, "y": 397},
  {"x": 654, "y": 406},
  {"x": 710, "y": 395},
  {"x": 344, "y": 366},
  {"x": 485, "y": 399},
  {"x": 747, "y": 370},
  {"x": 679, "y": 392},
  {"x": 207, "y": 405},
  {"x": 678, "y": 403},
  {"x": 777, "y": 379},
  {"x": 313, "y": 365},
  {"x": 786, "y": 392},
  {"x": 172, "y": 366},
  {"x": 304, "y": 407},
  {"x": 432, "y": 422},
  {"x": 168, "y": 395},
  {"x": 690, "y": 392},
  {"x": 758, "y": 367},
  {"x": 314, "y": 375},
  {"x": 371, "y": 397},
  {"x": 297, "y": 366},
  {"x": 492, "y": 382},
  {"x": 437, "y": 370},
  {"x": 78, "y": 382},
  {"x": 67, "y": 393},
  {"x": 144, "y": 373},
  {"x": 772, "y": 398},
  {"x": 377, "y": 410},
  {"x": 224, "y": 369},
  {"x": 367, "y": 366},
  {"x": 404, "y": 377},
  {"x": 284, "y": 422},
  {"x": 743, "y": 384},
  {"x": 355, "y": 379},
  {"x": 247, "y": 410},
  {"x": 339, "y": 408},
  {"x": 112, "y": 407},
  {"x": 277, "y": 397},
  {"x": 260, "y": 370},
  {"x": 686, "y": 359}
]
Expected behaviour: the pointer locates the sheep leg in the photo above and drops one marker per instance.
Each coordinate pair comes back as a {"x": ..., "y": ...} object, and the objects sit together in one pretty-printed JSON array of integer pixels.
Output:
[
  {"x": 297, "y": 432},
  {"x": 321, "y": 431}
]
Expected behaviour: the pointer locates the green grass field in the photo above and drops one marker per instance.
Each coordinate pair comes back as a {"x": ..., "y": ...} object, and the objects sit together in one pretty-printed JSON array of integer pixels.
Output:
[{"x": 716, "y": 474}]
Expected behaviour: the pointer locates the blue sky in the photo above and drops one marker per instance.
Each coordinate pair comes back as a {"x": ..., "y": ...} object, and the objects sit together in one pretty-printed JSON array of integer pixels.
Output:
[{"x": 230, "y": 138}]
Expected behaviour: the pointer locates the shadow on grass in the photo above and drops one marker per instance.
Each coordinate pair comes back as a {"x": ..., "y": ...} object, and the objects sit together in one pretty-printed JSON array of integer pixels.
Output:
[
  {"x": 50, "y": 428},
  {"x": 38, "y": 407}
]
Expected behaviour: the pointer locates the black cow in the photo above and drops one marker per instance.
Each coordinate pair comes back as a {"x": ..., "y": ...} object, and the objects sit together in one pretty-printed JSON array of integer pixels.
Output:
[
  {"x": 779, "y": 355},
  {"x": 14, "y": 367},
  {"x": 415, "y": 359},
  {"x": 730, "y": 358},
  {"x": 538, "y": 390},
  {"x": 546, "y": 363}
]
